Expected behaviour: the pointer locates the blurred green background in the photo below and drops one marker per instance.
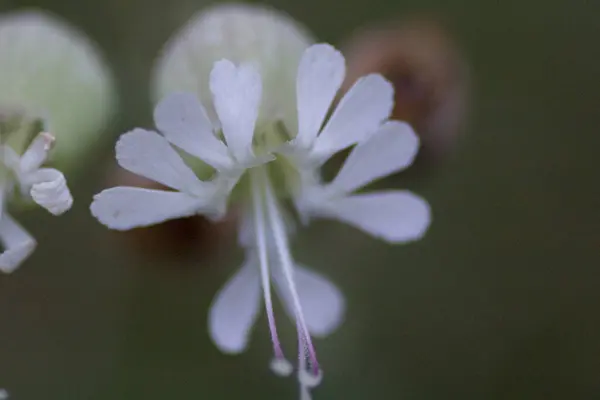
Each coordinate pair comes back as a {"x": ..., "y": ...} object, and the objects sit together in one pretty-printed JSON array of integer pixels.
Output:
[{"x": 499, "y": 301}]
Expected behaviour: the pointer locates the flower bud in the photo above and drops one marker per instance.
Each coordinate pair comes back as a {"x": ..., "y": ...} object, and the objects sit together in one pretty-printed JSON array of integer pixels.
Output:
[
  {"x": 429, "y": 75},
  {"x": 51, "y": 78},
  {"x": 243, "y": 34}
]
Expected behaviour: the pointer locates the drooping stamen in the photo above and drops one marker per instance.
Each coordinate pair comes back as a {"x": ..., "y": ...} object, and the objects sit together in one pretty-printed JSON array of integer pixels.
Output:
[
  {"x": 280, "y": 365},
  {"x": 306, "y": 378},
  {"x": 285, "y": 258}
]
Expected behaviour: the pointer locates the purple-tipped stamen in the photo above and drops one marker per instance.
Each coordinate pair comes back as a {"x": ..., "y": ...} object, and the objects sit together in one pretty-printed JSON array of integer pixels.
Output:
[{"x": 279, "y": 365}]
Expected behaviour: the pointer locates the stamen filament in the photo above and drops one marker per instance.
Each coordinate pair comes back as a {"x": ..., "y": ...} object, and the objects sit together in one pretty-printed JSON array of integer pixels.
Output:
[
  {"x": 280, "y": 365},
  {"x": 281, "y": 243}
]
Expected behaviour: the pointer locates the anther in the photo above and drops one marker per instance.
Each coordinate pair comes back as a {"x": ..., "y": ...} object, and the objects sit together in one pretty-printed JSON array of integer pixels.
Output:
[
  {"x": 309, "y": 379},
  {"x": 282, "y": 367}
]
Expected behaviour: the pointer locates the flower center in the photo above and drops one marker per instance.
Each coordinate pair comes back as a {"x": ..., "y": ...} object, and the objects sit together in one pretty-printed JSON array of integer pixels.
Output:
[{"x": 281, "y": 173}]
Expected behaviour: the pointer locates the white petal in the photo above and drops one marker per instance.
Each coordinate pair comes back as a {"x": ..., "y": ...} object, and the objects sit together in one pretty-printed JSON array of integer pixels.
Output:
[
  {"x": 322, "y": 302},
  {"x": 49, "y": 190},
  {"x": 360, "y": 112},
  {"x": 150, "y": 155},
  {"x": 395, "y": 216},
  {"x": 320, "y": 75},
  {"x": 10, "y": 158},
  {"x": 18, "y": 244},
  {"x": 125, "y": 208},
  {"x": 183, "y": 121},
  {"x": 236, "y": 93},
  {"x": 235, "y": 309},
  {"x": 37, "y": 152},
  {"x": 390, "y": 150}
]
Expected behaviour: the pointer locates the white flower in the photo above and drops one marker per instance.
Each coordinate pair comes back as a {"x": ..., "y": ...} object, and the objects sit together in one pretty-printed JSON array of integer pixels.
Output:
[
  {"x": 274, "y": 162},
  {"x": 53, "y": 71},
  {"x": 45, "y": 186}
]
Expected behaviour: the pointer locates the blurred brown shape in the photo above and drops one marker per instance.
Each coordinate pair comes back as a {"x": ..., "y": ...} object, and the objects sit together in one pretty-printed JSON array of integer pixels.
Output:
[
  {"x": 182, "y": 238},
  {"x": 429, "y": 74}
]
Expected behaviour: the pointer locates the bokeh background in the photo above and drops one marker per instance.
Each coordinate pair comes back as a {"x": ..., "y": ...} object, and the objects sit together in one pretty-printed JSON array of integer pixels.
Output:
[{"x": 499, "y": 301}]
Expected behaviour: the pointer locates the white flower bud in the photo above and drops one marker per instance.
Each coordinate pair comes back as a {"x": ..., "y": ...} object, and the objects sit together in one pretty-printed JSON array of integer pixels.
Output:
[
  {"x": 270, "y": 40},
  {"x": 51, "y": 73}
]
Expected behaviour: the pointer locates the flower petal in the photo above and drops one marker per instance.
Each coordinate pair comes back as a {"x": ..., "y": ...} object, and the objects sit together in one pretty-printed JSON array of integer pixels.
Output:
[
  {"x": 390, "y": 150},
  {"x": 320, "y": 75},
  {"x": 18, "y": 244},
  {"x": 360, "y": 112},
  {"x": 125, "y": 208},
  {"x": 236, "y": 93},
  {"x": 49, "y": 189},
  {"x": 150, "y": 155},
  {"x": 235, "y": 309},
  {"x": 36, "y": 153},
  {"x": 183, "y": 121},
  {"x": 322, "y": 302},
  {"x": 395, "y": 216}
]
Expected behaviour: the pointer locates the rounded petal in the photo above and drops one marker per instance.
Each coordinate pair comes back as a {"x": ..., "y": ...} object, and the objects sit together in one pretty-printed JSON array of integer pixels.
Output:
[
  {"x": 235, "y": 309},
  {"x": 49, "y": 189},
  {"x": 322, "y": 302},
  {"x": 181, "y": 118},
  {"x": 124, "y": 208},
  {"x": 320, "y": 76},
  {"x": 236, "y": 95},
  {"x": 150, "y": 155},
  {"x": 394, "y": 216},
  {"x": 52, "y": 70},
  {"x": 358, "y": 115},
  {"x": 390, "y": 150}
]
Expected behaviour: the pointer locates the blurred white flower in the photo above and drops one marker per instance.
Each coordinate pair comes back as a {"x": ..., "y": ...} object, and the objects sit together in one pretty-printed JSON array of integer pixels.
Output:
[
  {"x": 52, "y": 72},
  {"x": 45, "y": 186},
  {"x": 242, "y": 33}
]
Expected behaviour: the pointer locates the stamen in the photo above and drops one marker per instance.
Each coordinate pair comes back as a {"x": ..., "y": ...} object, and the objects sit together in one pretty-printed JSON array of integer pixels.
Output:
[
  {"x": 279, "y": 364},
  {"x": 307, "y": 379},
  {"x": 281, "y": 243}
]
